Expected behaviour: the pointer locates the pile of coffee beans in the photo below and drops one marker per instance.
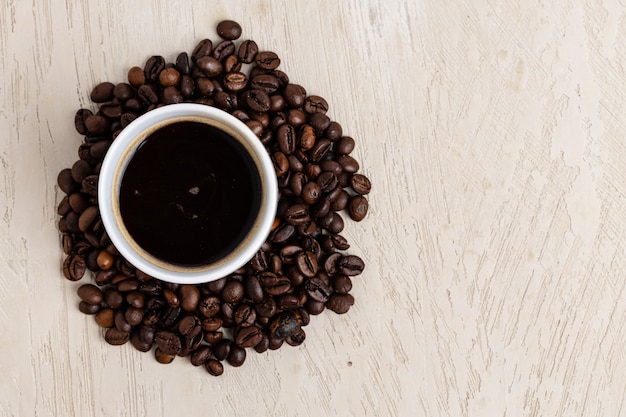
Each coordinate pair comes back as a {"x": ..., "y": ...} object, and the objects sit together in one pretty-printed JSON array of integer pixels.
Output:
[{"x": 301, "y": 270}]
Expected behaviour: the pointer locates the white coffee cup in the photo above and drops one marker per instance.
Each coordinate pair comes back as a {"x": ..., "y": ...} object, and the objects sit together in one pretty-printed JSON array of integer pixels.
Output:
[{"x": 120, "y": 154}]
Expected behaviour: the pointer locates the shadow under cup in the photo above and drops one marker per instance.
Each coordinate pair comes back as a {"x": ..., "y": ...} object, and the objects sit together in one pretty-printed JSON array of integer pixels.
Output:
[{"x": 187, "y": 193}]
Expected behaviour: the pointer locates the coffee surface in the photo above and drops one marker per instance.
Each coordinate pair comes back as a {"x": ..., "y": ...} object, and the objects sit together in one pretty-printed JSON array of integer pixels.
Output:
[{"x": 189, "y": 194}]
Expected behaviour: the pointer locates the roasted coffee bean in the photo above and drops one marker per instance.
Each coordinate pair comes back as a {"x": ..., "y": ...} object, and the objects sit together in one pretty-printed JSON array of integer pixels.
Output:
[
  {"x": 104, "y": 259},
  {"x": 136, "y": 76},
  {"x": 283, "y": 233},
  {"x": 78, "y": 202},
  {"x": 334, "y": 131},
  {"x": 319, "y": 121},
  {"x": 216, "y": 286},
  {"x": 116, "y": 337},
  {"x": 341, "y": 284},
  {"x": 74, "y": 267},
  {"x": 284, "y": 325},
  {"x": 235, "y": 81},
  {"x": 136, "y": 299},
  {"x": 104, "y": 317},
  {"x": 139, "y": 344},
  {"x": 79, "y": 120},
  {"x": 214, "y": 337},
  {"x": 222, "y": 349},
  {"x": 331, "y": 263},
  {"x": 348, "y": 163},
  {"x": 294, "y": 95},
  {"x": 168, "y": 342},
  {"x": 147, "y": 95},
  {"x": 265, "y": 82},
  {"x": 211, "y": 324},
  {"x": 236, "y": 356},
  {"x": 214, "y": 367},
  {"x": 233, "y": 292},
  {"x": 345, "y": 145},
  {"x": 360, "y": 184},
  {"x": 246, "y": 337},
  {"x": 80, "y": 170},
  {"x": 99, "y": 149},
  {"x": 87, "y": 218},
  {"x": 203, "y": 48},
  {"x": 120, "y": 321},
  {"x": 209, "y": 65},
  {"x": 200, "y": 355},
  {"x": 65, "y": 181},
  {"x": 64, "y": 206},
  {"x": 357, "y": 207},
  {"x": 320, "y": 149},
  {"x": 209, "y": 306},
  {"x": 306, "y": 262},
  {"x": 133, "y": 315},
  {"x": 281, "y": 163},
  {"x": 113, "y": 298},
  {"x": 312, "y": 245},
  {"x": 258, "y": 262},
  {"x": 102, "y": 92},
  {"x": 267, "y": 60},
  {"x": 350, "y": 265},
  {"x": 340, "y": 303},
  {"x": 169, "y": 77},
  {"x": 297, "y": 182},
  {"x": 275, "y": 343},
  {"x": 163, "y": 357},
  {"x": 253, "y": 288},
  {"x": 274, "y": 284},
  {"x": 154, "y": 65},
  {"x": 232, "y": 64},
  {"x": 315, "y": 307},
  {"x": 315, "y": 104},
  {"x": 296, "y": 338},
  {"x": 190, "y": 297},
  {"x": 245, "y": 315},
  {"x": 127, "y": 285},
  {"x": 247, "y": 52},
  {"x": 257, "y": 100},
  {"x": 341, "y": 202},
  {"x": 297, "y": 214},
  {"x": 111, "y": 111},
  {"x": 90, "y": 294},
  {"x": 327, "y": 181},
  {"x": 223, "y": 49},
  {"x": 287, "y": 139},
  {"x": 228, "y": 29},
  {"x": 86, "y": 308},
  {"x": 317, "y": 289},
  {"x": 67, "y": 243},
  {"x": 267, "y": 307}
]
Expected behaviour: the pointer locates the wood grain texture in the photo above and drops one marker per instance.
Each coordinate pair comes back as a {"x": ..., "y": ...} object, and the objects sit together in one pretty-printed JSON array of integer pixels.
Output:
[{"x": 493, "y": 133}]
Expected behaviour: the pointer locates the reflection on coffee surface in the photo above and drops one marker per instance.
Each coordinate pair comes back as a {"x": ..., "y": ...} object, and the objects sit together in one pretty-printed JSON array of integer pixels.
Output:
[{"x": 190, "y": 194}]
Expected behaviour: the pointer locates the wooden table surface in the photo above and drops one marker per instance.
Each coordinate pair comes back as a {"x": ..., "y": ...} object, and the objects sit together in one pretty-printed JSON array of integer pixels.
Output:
[{"x": 493, "y": 133}]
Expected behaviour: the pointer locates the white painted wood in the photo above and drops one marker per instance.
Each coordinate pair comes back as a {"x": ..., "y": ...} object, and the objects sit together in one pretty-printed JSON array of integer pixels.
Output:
[{"x": 493, "y": 133}]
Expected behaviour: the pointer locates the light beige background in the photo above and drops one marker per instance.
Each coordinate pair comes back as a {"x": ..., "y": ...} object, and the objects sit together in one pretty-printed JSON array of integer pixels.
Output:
[{"x": 493, "y": 132}]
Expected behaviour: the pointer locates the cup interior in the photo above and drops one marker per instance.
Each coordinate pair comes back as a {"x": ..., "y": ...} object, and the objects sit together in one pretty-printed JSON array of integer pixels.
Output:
[{"x": 121, "y": 153}]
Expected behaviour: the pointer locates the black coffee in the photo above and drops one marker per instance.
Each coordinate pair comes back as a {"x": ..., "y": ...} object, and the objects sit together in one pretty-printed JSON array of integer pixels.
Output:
[{"x": 189, "y": 194}]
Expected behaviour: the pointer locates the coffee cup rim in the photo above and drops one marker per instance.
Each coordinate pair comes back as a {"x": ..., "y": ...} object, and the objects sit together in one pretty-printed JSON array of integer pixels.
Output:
[{"x": 121, "y": 152}]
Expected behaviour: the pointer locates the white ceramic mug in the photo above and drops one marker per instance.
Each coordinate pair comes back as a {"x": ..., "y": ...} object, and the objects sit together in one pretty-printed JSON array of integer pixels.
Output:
[{"x": 117, "y": 159}]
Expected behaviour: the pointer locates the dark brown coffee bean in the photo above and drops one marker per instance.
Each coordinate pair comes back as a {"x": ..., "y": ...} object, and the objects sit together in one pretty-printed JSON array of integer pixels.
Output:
[
  {"x": 216, "y": 286},
  {"x": 65, "y": 207},
  {"x": 320, "y": 149},
  {"x": 312, "y": 245},
  {"x": 147, "y": 95},
  {"x": 315, "y": 307},
  {"x": 281, "y": 163},
  {"x": 340, "y": 303},
  {"x": 102, "y": 92},
  {"x": 99, "y": 149},
  {"x": 209, "y": 66},
  {"x": 221, "y": 349},
  {"x": 345, "y": 145},
  {"x": 135, "y": 299},
  {"x": 246, "y": 337},
  {"x": 265, "y": 82},
  {"x": 200, "y": 355},
  {"x": 258, "y": 263},
  {"x": 294, "y": 95},
  {"x": 214, "y": 367},
  {"x": 348, "y": 163},
  {"x": 86, "y": 308},
  {"x": 127, "y": 285},
  {"x": 80, "y": 170},
  {"x": 79, "y": 120},
  {"x": 133, "y": 316},
  {"x": 257, "y": 100},
  {"x": 284, "y": 325},
  {"x": 341, "y": 284},
  {"x": 211, "y": 324},
  {"x": 307, "y": 137},
  {"x": 327, "y": 181},
  {"x": 333, "y": 132},
  {"x": 283, "y": 233},
  {"x": 154, "y": 65},
  {"x": 236, "y": 356},
  {"x": 245, "y": 315},
  {"x": 306, "y": 262},
  {"x": 266, "y": 308},
  {"x": 360, "y": 184},
  {"x": 315, "y": 104},
  {"x": 228, "y": 29},
  {"x": 168, "y": 342},
  {"x": 232, "y": 64},
  {"x": 223, "y": 49},
  {"x": 87, "y": 218},
  {"x": 169, "y": 77},
  {"x": 319, "y": 121},
  {"x": 233, "y": 292},
  {"x": 317, "y": 289},
  {"x": 350, "y": 265},
  {"x": 74, "y": 267},
  {"x": 297, "y": 214},
  {"x": 357, "y": 207},
  {"x": 247, "y": 51},
  {"x": 209, "y": 306},
  {"x": 90, "y": 294},
  {"x": 267, "y": 60},
  {"x": 296, "y": 117},
  {"x": 120, "y": 321},
  {"x": 203, "y": 48},
  {"x": 274, "y": 284},
  {"x": 190, "y": 297},
  {"x": 97, "y": 125},
  {"x": 67, "y": 243},
  {"x": 66, "y": 182},
  {"x": 225, "y": 101},
  {"x": 116, "y": 337},
  {"x": 111, "y": 111},
  {"x": 113, "y": 298}
]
